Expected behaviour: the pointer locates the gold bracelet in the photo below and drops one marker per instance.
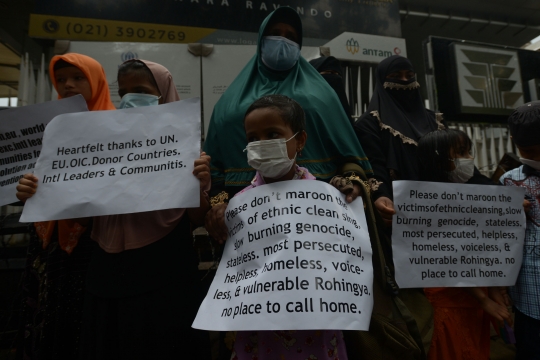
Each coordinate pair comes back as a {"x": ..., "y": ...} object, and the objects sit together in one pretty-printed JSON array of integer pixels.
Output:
[
  {"x": 220, "y": 198},
  {"x": 355, "y": 178}
]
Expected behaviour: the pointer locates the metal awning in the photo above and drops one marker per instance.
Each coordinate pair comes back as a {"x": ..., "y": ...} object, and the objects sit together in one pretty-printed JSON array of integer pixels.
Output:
[
  {"x": 9, "y": 71},
  {"x": 512, "y": 23}
]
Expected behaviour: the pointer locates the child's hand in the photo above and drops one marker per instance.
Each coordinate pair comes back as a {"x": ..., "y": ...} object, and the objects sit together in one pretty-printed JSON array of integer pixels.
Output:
[
  {"x": 499, "y": 294},
  {"x": 202, "y": 170},
  {"x": 354, "y": 193},
  {"x": 527, "y": 205},
  {"x": 347, "y": 187},
  {"x": 215, "y": 223},
  {"x": 499, "y": 312},
  {"x": 27, "y": 187}
]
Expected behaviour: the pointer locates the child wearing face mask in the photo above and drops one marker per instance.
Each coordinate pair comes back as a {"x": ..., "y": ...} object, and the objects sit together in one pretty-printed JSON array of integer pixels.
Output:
[
  {"x": 461, "y": 314},
  {"x": 142, "y": 288},
  {"x": 524, "y": 124},
  {"x": 275, "y": 131},
  {"x": 145, "y": 83}
]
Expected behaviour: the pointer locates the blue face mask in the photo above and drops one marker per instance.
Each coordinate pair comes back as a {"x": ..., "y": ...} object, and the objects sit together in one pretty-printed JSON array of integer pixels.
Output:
[
  {"x": 132, "y": 100},
  {"x": 279, "y": 53}
]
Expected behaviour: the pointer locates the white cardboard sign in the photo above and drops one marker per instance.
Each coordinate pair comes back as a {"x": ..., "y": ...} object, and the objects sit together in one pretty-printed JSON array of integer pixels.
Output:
[
  {"x": 298, "y": 257},
  {"x": 452, "y": 235},
  {"x": 118, "y": 162},
  {"x": 21, "y": 133}
]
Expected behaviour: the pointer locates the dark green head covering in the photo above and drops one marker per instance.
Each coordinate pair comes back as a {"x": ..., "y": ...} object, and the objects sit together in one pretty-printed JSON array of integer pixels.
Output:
[{"x": 331, "y": 139}]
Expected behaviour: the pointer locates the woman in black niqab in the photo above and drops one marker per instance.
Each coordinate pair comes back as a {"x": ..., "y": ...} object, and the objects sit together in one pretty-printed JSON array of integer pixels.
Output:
[
  {"x": 331, "y": 70},
  {"x": 389, "y": 130}
]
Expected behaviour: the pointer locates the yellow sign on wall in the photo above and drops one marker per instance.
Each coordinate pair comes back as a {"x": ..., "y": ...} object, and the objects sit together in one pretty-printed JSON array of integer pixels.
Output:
[{"x": 71, "y": 28}]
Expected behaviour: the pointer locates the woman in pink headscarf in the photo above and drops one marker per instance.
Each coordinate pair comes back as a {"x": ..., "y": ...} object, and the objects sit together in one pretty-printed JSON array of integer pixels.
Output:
[{"x": 142, "y": 285}]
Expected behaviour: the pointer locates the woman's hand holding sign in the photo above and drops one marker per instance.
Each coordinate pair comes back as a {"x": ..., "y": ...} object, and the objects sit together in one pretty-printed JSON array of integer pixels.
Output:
[
  {"x": 215, "y": 223},
  {"x": 385, "y": 207}
]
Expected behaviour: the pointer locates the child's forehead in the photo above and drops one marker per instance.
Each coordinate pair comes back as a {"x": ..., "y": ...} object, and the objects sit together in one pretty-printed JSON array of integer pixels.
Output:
[
  {"x": 460, "y": 145},
  {"x": 265, "y": 121},
  {"x": 67, "y": 70},
  {"x": 136, "y": 78},
  {"x": 266, "y": 115},
  {"x": 133, "y": 74},
  {"x": 462, "y": 142}
]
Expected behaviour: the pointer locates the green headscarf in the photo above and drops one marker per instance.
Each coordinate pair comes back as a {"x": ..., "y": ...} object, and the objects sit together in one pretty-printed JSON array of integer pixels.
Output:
[{"x": 331, "y": 139}]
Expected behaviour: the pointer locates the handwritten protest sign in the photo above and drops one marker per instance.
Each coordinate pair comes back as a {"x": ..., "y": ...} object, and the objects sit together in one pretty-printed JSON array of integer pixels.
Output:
[
  {"x": 297, "y": 257},
  {"x": 117, "y": 162},
  {"x": 21, "y": 133},
  {"x": 456, "y": 234}
]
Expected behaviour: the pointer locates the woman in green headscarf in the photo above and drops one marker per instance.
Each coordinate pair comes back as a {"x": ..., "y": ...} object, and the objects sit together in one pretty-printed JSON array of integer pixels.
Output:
[{"x": 277, "y": 68}]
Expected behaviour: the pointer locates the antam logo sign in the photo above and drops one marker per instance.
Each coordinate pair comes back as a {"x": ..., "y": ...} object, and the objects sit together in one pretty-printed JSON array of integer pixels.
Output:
[{"x": 354, "y": 47}]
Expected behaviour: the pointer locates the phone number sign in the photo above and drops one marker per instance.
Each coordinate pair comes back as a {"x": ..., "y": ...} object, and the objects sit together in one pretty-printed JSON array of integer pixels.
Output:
[{"x": 63, "y": 27}]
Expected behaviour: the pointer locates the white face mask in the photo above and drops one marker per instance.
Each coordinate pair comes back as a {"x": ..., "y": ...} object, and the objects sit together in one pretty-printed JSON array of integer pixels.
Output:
[
  {"x": 132, "y": 100},
  {"x": 269, "y": 157},
  {"x": 464, "y": 170},
  {"x": 532, "y": 163}
]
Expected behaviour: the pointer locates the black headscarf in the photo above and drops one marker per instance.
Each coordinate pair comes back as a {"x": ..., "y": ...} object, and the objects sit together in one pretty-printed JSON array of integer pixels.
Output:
[
  {"x": 399, "y": 103},
  {"x": 391, "y": 127},
  {"x": 330, "y": 63}
]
